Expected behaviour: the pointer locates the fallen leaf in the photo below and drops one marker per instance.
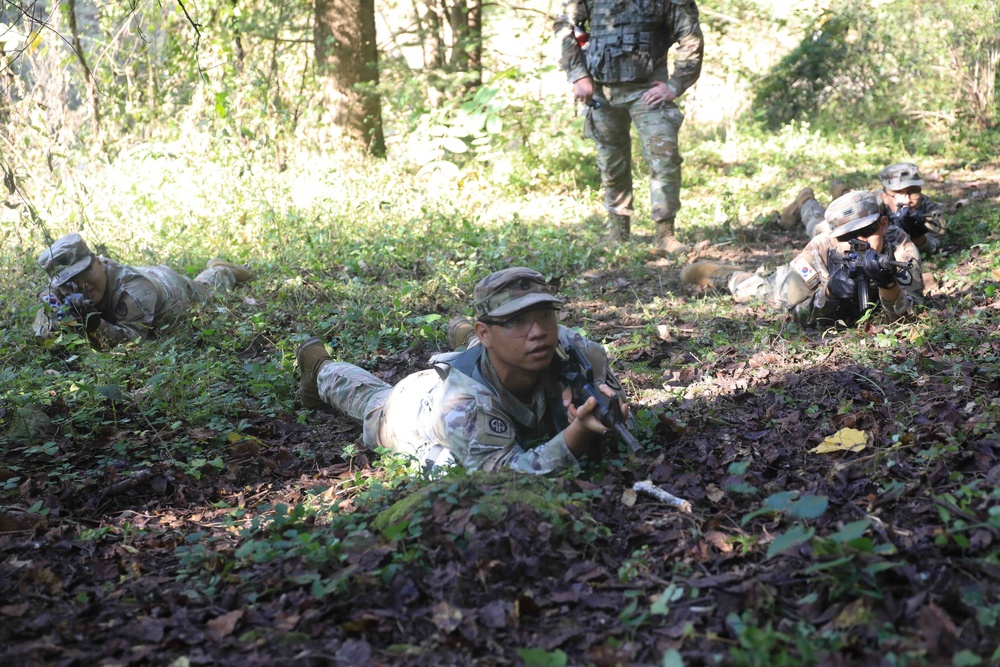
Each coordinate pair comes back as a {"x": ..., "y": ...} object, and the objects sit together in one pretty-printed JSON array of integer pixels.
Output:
[
  {"x": 714, "y": 493},
  {"x": 844, "y": 440},
  {"x": 446, "y": 617},
  {"x": 628, "y": 497},
  {"x": 224, "y": 625}
]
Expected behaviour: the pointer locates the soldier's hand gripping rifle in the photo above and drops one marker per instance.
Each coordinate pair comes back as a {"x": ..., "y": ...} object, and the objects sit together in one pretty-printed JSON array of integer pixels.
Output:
[
  {"x": 861, "y": 263},
  {"x": 577, "y": 372},
  {"x": 68, "y": 308}
]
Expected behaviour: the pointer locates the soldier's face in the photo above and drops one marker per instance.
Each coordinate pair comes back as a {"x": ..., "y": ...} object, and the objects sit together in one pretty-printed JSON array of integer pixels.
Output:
[
  {"x": 876, "y": 239},
  {"x": 907, "y": 197},
  {"x": 531, "y": 350},
  {"x": 93, "y": 282}
]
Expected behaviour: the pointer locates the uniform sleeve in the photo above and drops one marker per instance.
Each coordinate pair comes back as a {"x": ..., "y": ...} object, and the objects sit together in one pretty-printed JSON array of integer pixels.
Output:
[
  {"x": 933, "y": 214},
  {"x": 812, "y": 267},
  {"x": 690, "y": 49},
  {"x": 482, "y": 437},
  {"x": 131, "y": 322},
  {"x": 911, "y": 284},
  {"x": 571, "y": 60}
]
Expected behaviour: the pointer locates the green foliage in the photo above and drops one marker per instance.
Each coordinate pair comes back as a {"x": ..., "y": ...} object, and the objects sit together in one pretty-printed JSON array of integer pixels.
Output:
[{"x": 913, "y": 64}]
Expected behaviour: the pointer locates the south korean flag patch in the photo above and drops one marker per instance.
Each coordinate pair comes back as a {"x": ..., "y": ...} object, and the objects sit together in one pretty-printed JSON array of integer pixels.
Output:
[
  {"x": 805, "y": 270},
  {"x": 494, "y": 428}
]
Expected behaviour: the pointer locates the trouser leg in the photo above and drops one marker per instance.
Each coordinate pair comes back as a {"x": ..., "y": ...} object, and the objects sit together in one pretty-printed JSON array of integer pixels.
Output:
[
  {"x": 355, "y": 392},
  {"x": 609, "y": 127},
  {"x": 218, "y": 278},
  {"x": 658, "y": 129},
  {"x": 813, "y": 217}
]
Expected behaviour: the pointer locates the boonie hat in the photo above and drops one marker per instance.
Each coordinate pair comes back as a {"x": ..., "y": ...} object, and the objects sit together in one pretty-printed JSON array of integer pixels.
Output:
[
  {"x": 67, "y": 257},
  {"x": 853, "y": 211},
  {"x": 900, "y": 176},
  {"x": 511, "y": 290}
]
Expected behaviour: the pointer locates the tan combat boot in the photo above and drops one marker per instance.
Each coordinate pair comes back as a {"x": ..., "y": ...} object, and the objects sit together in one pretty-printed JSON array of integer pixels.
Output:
[
  {"x": 460, "y": 331},
  {"x": 311, "y": 355},
  {"x": 790, "y": 214},
  {"x": 708, "y": 274},
  {"x": 619, "y": 228},
  {"x": 241, "y": 273},
  {"x": 838, "y": 189},
  {"x": 664, "y": 242}
]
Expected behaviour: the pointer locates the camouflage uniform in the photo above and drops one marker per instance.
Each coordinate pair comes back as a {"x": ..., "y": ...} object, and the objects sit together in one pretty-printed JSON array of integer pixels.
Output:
[
  {"x": 925, "y": 222},
  {"x": 626, "y": 53},
  {"x": 801, "y": 284},
  {"x": 141, "y": 300},
  {"x": 458, "y": 411},
  {"x": 138, "y": 301}
]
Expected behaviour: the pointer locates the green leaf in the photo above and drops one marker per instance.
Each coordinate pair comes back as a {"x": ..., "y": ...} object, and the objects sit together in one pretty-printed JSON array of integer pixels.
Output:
[
  {"x": 494, "y": 124},
  {"x": 671, "y": 593},
  {"x": 454, "y": 144},
  {"x": 538, "y": 657},
  {"x": 966, "y": 658},
  {"x": 738, "y": 467},
  {"x": 780, "y": 501},
  {"x": 808, "y": 507},
  {"x": 851, "y": 531},
  {"x": 672, "y": 658},
  {"x": 792, "y": 537}
]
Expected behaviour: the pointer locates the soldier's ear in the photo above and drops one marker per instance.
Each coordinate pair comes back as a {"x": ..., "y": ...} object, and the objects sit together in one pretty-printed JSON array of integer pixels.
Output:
[{"x": 483, "y": 332}]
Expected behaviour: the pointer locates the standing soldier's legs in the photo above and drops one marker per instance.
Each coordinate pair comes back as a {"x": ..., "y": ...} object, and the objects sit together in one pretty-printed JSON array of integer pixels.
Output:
[
  {"x": 658, "y": 128},
  {"x": 608, "y": 125}
]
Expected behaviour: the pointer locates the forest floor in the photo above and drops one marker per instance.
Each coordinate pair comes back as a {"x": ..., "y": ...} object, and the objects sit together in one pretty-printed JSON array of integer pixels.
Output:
[{"x": 888, "y": 553}]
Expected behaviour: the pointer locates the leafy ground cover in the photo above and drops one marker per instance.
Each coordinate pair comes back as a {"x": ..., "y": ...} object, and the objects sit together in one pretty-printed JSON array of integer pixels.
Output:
[{"x": 171, "y": 503}]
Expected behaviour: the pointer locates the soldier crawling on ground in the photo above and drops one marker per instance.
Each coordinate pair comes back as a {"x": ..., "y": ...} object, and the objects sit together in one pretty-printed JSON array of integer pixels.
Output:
[
  {"x": 117, "y": 303},
  {"x": 821, "y": 285},
  {"x": 500, "y": 403},
  {"x": 902, "y": 201}
]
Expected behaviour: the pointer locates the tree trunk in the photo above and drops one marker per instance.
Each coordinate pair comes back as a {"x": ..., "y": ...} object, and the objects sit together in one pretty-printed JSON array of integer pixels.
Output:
[
  {"x": 88, "y": 77},
  {"x": 346, "y": 55}
]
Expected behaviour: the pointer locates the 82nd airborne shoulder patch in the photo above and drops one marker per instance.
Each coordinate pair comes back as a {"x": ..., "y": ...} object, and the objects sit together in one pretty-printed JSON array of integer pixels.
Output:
[{"x": 494, "y": 428}]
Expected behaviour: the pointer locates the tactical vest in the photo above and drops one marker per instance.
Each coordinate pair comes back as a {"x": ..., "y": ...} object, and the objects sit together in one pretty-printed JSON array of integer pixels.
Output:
[
  {"x": 467, "y": 363},
  {"x": 627, "y": 39}
]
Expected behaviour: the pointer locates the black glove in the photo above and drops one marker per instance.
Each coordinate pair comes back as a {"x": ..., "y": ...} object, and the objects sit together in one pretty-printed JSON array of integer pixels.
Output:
[
  {"x": 841, "y": 285},
  {"x": 909, "y": 221},
  {"x": 877, "y": 268}
]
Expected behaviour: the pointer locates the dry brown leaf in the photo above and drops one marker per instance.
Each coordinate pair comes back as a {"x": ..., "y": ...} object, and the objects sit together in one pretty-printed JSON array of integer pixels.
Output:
[{"x": 224, "y": 625}]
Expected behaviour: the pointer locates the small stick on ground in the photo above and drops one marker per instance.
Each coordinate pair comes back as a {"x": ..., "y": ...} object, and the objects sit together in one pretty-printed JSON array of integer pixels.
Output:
[{"x": 662, "y": 496}]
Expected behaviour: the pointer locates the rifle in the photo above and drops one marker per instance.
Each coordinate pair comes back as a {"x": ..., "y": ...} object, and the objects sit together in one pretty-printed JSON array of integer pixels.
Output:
[
  {"x": 577, "y": 372},
  {"x": 851, "y": 261},
  {"x": 59, "y": 303},
  {"x": 910, "y": 220}
]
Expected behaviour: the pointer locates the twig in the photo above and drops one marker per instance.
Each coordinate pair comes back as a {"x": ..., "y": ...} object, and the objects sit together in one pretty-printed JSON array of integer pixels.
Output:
[{"x": 662, "y": 496}]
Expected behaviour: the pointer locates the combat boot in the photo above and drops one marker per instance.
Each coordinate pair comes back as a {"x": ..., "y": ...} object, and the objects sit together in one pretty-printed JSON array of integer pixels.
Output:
[
  {"x": 311, "y": 355},
  {"x": 708, "y": 274},
  {"x": 241, "y": 273},
  {"x": 838, "y": 189},
  {"x": 619, "y": 228},
  {"x": 790, "y": 214},
  {"x": 665, "y": 243},
  {"x": 460, "y": 331}
]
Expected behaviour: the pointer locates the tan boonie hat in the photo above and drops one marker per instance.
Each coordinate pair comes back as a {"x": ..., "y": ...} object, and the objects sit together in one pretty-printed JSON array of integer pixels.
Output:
[
  {"x": 67, "y": 257},
  {"x": 853, "y": 211},
  {"x": 511, "y": 290},
  {"x": 900, "y": 176}
]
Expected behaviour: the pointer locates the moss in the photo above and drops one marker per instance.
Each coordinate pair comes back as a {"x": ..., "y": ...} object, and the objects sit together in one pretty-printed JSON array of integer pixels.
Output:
[{"x": 491, "y": 493}]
